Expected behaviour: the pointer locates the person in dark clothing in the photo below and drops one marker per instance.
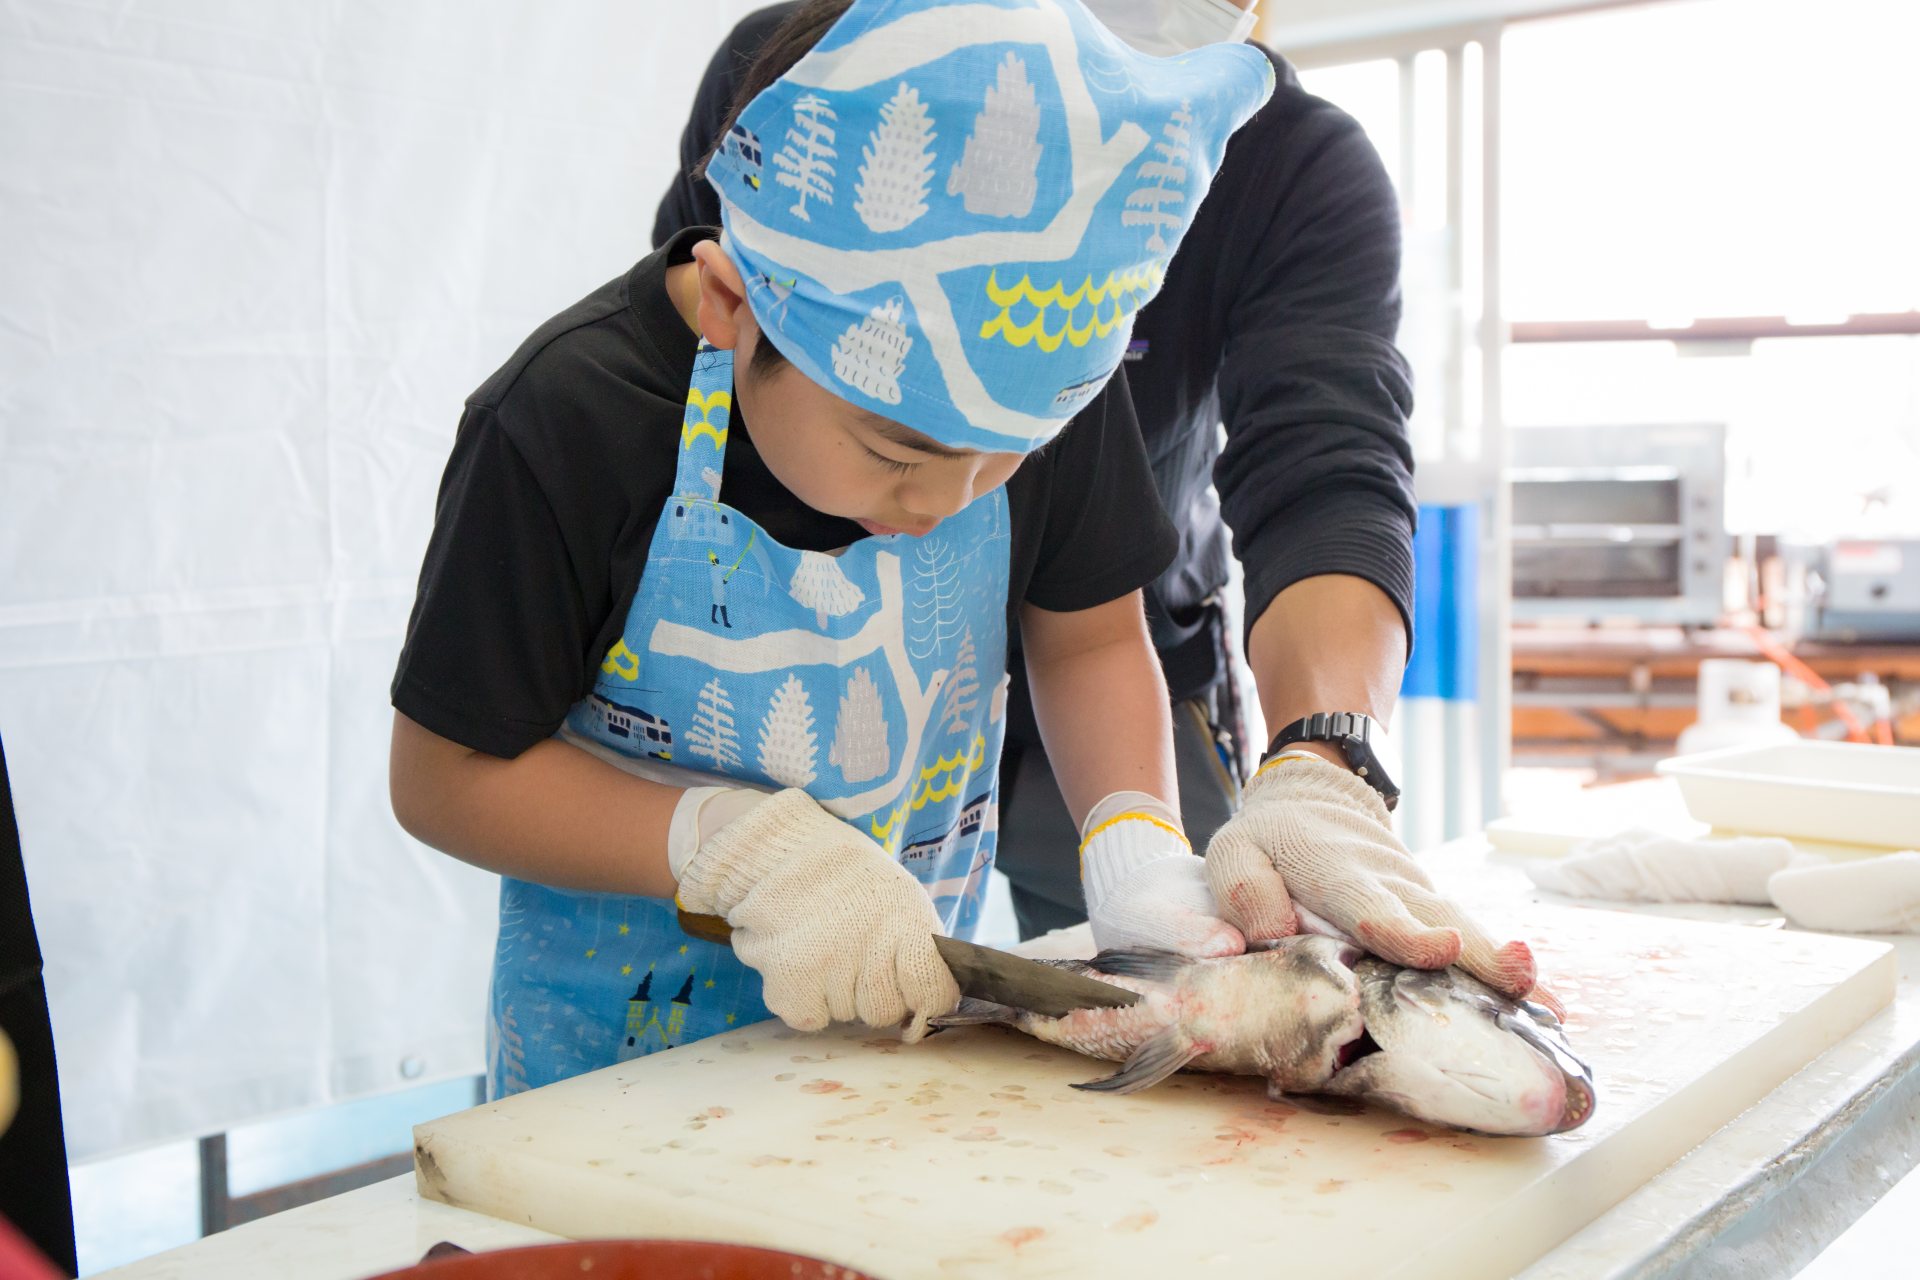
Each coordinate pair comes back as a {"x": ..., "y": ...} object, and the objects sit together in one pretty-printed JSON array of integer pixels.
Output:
[
  {"x": 34, "y": 1194},
  {"x": 1277, "y": 318}
]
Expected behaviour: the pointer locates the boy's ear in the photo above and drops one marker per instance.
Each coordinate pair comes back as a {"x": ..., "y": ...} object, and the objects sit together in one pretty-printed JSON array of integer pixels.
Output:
[{"x": 723, "y": 295}]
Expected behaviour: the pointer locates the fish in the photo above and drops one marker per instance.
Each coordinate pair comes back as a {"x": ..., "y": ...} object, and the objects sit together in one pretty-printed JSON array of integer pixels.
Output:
[{"x": 1330, "y": 1028}]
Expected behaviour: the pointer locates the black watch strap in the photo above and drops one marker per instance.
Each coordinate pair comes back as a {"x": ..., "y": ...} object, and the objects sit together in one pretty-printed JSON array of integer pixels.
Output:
[{"x": 1352, "y": 735}]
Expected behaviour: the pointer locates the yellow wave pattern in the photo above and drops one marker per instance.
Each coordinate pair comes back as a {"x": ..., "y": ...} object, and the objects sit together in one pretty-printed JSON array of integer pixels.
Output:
[
  {"x": 705, "y": 404},
  {"x": 1123, "y": 291},
  {"x": 927, "y": 792},
  {"x": 621, "y": 661}
]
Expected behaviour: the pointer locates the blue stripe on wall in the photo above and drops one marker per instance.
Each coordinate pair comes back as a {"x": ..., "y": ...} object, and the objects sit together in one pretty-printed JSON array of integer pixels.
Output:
[{"x": 1446, "y": 605}]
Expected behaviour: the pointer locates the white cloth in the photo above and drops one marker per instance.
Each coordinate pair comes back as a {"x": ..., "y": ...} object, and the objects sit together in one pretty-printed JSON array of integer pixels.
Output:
[
  {"x": 838, "y": 930},
  {"x": 1167, "y": 28},
  {"x": 1638, "y": 865},
  {"x": 1145, "y": 889},
  {"x": 1867, "y": 895}
]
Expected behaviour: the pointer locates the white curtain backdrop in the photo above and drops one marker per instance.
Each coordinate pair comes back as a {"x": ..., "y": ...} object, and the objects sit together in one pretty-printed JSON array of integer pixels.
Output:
[{"x": 253, "y": 256}]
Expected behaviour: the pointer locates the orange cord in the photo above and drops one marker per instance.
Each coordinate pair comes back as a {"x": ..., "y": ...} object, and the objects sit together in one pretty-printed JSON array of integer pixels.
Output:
[{"x": 1782, "y": 657}]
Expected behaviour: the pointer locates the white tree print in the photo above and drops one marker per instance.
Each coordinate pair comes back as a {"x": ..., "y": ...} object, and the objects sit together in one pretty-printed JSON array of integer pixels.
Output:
[
  {"x": 859, "y": 748},
  {"x": 820, "y": 585},
  {"x": 963, "y": 688},
  {"x": 870, "y": 355},
  {"x": 1146, "y": 205},
  {"x": 896, "y": 164},
  {"x": 711, "y": 478},
  {"x": 712, "y": 733},
  {"x": 804, "y": 159},
  {"x": 934, "y": 614},
  {"x": 788, "y": 748},
  {"x": 510, "y": 1051},
  {"x": 998, "y": 172}
]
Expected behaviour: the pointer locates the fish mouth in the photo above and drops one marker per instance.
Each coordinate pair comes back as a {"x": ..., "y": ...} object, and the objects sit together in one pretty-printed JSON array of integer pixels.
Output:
[{"x": 1354, "y": 1050}]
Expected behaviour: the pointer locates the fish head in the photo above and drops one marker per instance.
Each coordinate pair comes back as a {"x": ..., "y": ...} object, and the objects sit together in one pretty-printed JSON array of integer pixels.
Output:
[
  {"x": 1288, "y": 1010},
  {"x": 1442, "y": 1046}
]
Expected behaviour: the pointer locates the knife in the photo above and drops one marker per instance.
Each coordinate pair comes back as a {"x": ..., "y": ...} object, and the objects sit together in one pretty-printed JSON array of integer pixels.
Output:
[{"x": 984, "y": 974}]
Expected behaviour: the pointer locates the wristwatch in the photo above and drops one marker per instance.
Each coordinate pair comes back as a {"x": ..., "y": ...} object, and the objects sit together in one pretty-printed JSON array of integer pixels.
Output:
[{"x": 1361, "y": 741}]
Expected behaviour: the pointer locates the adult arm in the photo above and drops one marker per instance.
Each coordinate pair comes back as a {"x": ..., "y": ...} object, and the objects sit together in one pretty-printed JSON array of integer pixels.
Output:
[{"x": 1316, "y": 477}]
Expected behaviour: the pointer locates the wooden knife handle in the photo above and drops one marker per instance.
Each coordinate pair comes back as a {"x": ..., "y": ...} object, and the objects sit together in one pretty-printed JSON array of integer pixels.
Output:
[{"x": 705, "y": 928}]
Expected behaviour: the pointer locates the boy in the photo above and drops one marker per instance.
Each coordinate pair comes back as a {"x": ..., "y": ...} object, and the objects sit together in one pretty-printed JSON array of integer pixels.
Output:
[{"x": 786, "y": 708}]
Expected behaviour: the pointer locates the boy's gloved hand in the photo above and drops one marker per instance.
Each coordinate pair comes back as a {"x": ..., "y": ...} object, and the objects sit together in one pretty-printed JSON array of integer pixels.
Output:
[
  {"x": 838, "y": 930},
  {"x": 1145, "y": 889},
  {"x": 1310, "y": 832}
]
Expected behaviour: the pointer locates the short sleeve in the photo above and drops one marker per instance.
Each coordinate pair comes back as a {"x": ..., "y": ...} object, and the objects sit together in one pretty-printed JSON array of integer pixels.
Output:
[
  {"x": 496, "y": 648},
  {"x": 1106, "y": 533}
]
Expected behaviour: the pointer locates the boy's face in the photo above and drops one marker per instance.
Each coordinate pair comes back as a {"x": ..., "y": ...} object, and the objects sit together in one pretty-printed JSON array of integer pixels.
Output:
[
  {"x": 843, "y": 461},
  {"x": 837, "y": 458}
]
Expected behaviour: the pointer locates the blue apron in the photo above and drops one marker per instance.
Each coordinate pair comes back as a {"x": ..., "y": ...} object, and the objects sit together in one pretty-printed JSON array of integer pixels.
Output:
[{"x": 874, "y": 679}]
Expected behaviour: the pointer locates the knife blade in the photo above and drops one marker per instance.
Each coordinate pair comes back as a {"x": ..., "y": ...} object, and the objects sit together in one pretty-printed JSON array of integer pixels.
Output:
[{"x": 984, "y": 973}]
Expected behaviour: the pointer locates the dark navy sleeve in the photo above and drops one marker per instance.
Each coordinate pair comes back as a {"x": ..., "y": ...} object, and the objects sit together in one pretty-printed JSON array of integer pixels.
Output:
[
  {"x": 1317, "y": 474},
  {"x": 689, "y": 200}
]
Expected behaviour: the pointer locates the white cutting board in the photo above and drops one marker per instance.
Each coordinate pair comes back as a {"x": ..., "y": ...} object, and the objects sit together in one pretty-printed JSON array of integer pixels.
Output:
[{"x": 968, "y": 1155}]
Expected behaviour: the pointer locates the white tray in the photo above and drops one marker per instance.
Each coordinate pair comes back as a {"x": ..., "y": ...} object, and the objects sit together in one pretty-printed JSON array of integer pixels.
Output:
[{"x": 1844, "y": 792}]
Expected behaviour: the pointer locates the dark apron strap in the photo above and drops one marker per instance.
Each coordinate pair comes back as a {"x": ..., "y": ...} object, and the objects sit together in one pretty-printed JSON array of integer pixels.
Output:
[{"x": 33, "y": 1151}]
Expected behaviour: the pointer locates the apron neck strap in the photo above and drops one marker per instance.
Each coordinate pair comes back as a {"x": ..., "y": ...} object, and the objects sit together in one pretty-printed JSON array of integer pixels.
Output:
[{"x": 703, "y": 426}]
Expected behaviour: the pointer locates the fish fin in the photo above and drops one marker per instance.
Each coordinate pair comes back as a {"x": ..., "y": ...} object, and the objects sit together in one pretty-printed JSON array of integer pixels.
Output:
[
  {"x": 976, "y": 1013},
  {"x": 1157, "y": 1058},
  {"x": 1152, "y": 966},
  {"x": 1319, "y": 1104}
]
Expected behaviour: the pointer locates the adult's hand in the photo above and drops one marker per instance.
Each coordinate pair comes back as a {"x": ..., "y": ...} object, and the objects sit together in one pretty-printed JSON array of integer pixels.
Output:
[{"x": 1311, "y": 833}]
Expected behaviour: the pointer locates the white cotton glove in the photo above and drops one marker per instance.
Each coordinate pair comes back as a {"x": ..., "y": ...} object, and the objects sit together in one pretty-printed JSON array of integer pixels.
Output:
[
  {"x": 1310, "y": 832},
  {"x": 839, "y": 931},
  {"x": 1145, "y": 889},
  {"x": 1638, "y": 865}
]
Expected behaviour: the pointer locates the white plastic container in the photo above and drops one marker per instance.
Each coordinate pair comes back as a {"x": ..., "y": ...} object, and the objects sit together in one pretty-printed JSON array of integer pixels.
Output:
[{"x": 1838, "y": 792}]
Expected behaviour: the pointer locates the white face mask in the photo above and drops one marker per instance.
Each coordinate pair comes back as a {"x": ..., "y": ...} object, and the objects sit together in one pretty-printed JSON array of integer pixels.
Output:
[{"x": 1168, "y": 27}]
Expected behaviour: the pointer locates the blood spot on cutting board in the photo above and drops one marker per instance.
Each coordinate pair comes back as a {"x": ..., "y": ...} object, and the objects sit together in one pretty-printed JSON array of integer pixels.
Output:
[
  {"x": 1138, "y": 1220},
  {"x": 783, "y": 1077},
  {"x": 1408, "y": 1135},
  {"x": 1020, "y": 1237},
  {"x": 980, "y": 1133},
  {"x": 1329, "y": 1186},
  {"x": 716, "y": 1113},
  {"x": 1119, "y": 1153},
  {"x": 822, "y": 1086},
  {"x": 761, "y": 1162}
]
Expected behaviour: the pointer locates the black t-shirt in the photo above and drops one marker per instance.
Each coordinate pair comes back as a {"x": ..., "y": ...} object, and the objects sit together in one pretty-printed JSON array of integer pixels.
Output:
[
  {"x": 1277, "y": 317},
  {"x": 560, "y": 468}
]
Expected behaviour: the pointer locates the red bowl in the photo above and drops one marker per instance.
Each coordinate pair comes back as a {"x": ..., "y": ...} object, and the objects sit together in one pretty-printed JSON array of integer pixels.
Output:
[{"x": 629, "y": 1260}]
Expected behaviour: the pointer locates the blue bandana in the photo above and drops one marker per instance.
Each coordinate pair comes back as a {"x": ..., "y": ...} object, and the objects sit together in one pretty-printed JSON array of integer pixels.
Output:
[{"x": 949, "y": 211}]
